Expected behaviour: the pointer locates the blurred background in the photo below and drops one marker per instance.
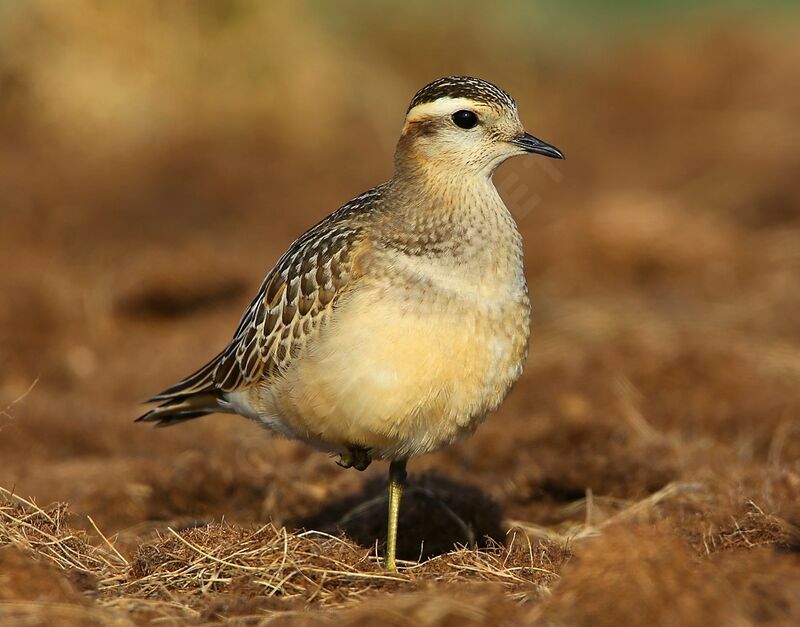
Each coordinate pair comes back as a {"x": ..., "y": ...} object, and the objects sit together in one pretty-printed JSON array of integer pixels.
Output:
[{"x": 156, "y": 159}]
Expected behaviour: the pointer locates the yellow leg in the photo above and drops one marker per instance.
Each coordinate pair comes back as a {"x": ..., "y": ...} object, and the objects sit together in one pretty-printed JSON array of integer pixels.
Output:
[{"x": 397, "y": 481}]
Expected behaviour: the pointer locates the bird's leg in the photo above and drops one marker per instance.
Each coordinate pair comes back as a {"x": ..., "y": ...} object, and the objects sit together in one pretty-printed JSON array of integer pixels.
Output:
[
  {"x": 361, "y": 458},
  {"x": 356, "y": 457},
  {"x": 397, "y": 481},
  {"x": 345, "y": 460}
]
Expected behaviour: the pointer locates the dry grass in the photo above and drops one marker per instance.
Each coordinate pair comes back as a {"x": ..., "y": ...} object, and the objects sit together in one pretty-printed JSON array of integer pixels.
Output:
[
  {"x": 176, "y": 573},
  {"x": 263, "y": 574}
]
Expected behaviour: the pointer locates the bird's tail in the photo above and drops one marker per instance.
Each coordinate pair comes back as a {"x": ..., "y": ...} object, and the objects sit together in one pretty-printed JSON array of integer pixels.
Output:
[{"x": 185, "y": 407}]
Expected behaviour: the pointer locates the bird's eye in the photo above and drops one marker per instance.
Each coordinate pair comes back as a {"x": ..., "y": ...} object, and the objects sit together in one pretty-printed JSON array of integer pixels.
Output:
[{"x": 465, "y": 119}]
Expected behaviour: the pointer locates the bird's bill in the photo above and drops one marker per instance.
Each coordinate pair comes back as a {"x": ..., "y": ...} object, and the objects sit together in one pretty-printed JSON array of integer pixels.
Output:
[{"x": 532, "y": 144}]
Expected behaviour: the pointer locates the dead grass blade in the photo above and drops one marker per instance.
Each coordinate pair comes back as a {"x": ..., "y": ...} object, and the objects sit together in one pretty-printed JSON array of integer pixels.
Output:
[{"x": 587, "y": 530}]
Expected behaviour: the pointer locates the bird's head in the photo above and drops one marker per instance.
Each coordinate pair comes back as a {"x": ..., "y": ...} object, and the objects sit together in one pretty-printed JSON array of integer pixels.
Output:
[{"x": 465, "y": 125}]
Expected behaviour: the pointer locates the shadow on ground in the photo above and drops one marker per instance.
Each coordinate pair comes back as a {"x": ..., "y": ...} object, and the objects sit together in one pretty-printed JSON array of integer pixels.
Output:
[{"x": 436, "y": 514}]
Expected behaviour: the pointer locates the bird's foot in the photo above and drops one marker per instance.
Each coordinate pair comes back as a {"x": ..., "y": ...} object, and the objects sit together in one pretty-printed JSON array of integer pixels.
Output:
[{"x": 356, "y": 457}]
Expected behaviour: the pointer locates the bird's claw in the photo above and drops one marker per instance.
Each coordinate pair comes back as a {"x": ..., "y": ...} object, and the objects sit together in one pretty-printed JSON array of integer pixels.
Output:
[{"x": 355, "y": 457}]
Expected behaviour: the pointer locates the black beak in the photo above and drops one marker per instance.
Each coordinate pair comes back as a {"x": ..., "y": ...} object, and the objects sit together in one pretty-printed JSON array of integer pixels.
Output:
[{"x": 531, "y": 144}]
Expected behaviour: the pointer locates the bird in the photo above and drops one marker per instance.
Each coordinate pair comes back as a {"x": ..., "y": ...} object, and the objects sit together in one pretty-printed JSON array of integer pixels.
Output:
[{"x": 394, "y": 326}]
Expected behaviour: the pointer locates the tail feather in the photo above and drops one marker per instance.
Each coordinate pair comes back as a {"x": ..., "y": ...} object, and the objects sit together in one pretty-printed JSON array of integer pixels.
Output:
[
  {"x": 196, "y": 383},
  {"x": 185, "y": 407}
]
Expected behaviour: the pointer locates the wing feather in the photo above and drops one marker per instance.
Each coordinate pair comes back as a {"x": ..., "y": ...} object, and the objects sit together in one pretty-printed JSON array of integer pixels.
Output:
[{"x": 295, "y": 299}]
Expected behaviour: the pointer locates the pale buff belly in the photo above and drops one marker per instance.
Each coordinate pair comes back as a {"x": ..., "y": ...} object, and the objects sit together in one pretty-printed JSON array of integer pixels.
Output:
[{"x": 399, "y": 380}]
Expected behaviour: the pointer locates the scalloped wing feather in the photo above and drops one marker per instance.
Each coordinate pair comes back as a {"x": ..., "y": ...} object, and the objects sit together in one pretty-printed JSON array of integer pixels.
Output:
[{"x": 295, "y": 299}]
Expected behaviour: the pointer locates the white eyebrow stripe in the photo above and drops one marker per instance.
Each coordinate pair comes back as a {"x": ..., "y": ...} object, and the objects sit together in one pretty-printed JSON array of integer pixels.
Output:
[{"x": 441, "y": 106}]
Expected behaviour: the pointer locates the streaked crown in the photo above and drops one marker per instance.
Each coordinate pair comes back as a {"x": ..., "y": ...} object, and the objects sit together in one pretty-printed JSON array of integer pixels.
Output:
[{"x": 462, "y": 87}]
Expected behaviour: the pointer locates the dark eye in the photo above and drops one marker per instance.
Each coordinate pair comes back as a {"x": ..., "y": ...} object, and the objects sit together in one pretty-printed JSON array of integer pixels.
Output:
[{"x": 465, "y": 119}]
